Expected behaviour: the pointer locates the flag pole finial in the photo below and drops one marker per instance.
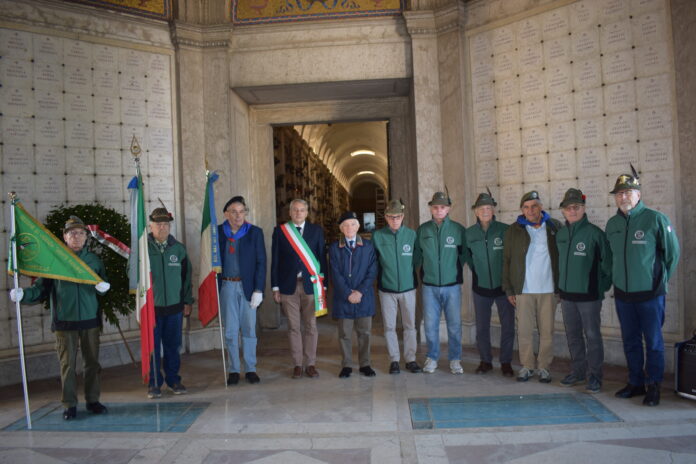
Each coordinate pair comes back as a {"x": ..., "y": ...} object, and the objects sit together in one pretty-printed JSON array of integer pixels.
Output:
[
  {"x": 135, "y": 148},
  {"x": 12, "y": 196}
]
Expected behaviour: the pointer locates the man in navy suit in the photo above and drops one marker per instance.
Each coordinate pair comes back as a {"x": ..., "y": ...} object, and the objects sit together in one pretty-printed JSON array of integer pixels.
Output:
[
  {"x": 242, "y": 282},
  {"x": 296, "y": 245}
]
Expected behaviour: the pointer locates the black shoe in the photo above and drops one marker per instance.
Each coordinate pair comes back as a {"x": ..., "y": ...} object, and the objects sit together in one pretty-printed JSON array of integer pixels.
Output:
[
  {"x": 367, "y": 371},
  {"x": 69, "y": 413},
  {"x": 652, "y": 396},
  {"x": 413, "y": 367},
  {"x": 484, "y": 367},
  {"x": 179, "y": 389},
  {"x": 394, "y": 368},
  {"x": 629, "y": 391},
  {"x": 154, "y": 392},
  {"x": 97, "y": 408},
  {"x": 252, "y": 377},
  {"x": 345, "y": 372},
  {"x": 233, "y": 378}
]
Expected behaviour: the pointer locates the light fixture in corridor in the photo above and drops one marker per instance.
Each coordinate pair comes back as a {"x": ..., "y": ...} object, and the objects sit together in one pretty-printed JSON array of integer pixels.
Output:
[{"x": 362, "y": 152}]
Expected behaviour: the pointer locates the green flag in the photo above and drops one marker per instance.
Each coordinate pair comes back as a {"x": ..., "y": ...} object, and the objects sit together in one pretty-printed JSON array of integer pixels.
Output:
[{"x": 42, "y": 254}]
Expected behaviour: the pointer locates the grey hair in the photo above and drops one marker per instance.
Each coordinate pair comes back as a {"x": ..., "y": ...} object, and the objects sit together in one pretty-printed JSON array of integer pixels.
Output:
[{"x": 299, "y": 200}]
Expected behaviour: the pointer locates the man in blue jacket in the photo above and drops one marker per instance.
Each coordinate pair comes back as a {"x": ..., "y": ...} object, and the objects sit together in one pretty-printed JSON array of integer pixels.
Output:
[
  {"x": 294, "y": 285},
  {"x": 242, "y": 282},
  {"x": 353, "y": 271}
]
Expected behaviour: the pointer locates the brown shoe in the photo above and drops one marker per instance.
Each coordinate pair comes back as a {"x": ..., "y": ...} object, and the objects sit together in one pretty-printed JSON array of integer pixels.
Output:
[
  {"x": 297, "y": 372},
  {"x": 311, "y": 372},
  {"x": 507, "y": 370},
  {"x": 484, "y": 367}
]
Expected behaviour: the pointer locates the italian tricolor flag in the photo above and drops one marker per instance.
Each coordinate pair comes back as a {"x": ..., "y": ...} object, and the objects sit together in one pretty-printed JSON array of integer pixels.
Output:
[
  {"x": 139, "y": 274},
  {"x": 210, "y": 265}
]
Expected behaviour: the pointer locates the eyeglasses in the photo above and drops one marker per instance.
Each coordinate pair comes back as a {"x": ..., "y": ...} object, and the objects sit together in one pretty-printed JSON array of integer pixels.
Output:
[
  {"x": 574, "y": 207},
  {"x": 76, "y": 233},
  {"x": 624, "y": 193},
  {"x": 393, "y": 218}
]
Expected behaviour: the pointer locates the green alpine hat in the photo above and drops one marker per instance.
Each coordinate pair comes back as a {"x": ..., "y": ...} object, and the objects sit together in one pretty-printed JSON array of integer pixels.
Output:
[
  {"x": 161, "y": 215},
  {"x": 533, "y": 195},
  {"x": 395, "y": 207},
  {"x": 626, "y": 182},
  {"x": 74, "y": 222},
  {"x": 573, "y": 196},
  {"x": 439, "y": 198},
  {"x": 485, "y": 198}
]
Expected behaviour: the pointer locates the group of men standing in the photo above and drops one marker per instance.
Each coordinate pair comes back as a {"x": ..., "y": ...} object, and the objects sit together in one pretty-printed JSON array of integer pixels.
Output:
[{"x": 523, "y": 268}]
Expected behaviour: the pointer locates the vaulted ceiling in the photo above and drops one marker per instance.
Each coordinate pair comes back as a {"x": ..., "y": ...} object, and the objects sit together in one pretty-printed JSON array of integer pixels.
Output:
[{"x": 335, "y": 142}]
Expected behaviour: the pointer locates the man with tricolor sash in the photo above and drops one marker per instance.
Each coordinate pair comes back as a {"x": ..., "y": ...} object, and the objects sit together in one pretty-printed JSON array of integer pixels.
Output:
[
  {"x": 67, "y": 278},
  {"x": 297, "y": 279},
  {"x": 242, "y": 282}
]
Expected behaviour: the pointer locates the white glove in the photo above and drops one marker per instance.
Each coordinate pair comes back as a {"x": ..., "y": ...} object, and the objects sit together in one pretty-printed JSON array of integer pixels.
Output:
[
  {"x": 256, "y": 299},
  {"x": 16, "y": 295},
  {"x": 103, "y": 287}
]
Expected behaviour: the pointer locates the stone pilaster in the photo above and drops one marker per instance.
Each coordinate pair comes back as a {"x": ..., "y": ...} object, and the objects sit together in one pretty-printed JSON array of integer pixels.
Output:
[{"x": 426, "y": 103}]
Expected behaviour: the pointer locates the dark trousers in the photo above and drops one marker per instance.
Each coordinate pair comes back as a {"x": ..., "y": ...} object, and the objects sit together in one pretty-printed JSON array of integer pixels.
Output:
[
  {"x": 67, "y": 343},
  {"x": 643, "y": 321},
  {"x": 506, "y": 315},
  {"x": 362, "y": 327},
  {"x": 583, "y": 329},
  {"x": 167, "y": 344}
]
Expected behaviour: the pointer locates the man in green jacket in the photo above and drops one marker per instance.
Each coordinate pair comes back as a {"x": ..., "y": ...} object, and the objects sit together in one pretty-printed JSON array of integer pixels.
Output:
[
  {"x": 530, "y": 278},
  {"x": 397, "y": 285},
  {"x": 439, "y": 256},
  {"x": 76, "y": 321},
  {"x": 645, "y": 254},
  {"x": 584, "y": 276},
  {"x": 484, "y": 254},
  {"x": 171, "y": 282}
]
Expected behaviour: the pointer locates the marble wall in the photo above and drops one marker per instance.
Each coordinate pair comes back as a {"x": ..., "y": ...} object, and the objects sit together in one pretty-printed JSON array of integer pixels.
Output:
[
  {"x": 619, "y": 78},
  {"x": 74, "y": 92}
]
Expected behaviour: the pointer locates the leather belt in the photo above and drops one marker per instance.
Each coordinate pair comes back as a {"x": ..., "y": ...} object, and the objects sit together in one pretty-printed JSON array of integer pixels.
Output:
[{"x": 233, "y": 279}]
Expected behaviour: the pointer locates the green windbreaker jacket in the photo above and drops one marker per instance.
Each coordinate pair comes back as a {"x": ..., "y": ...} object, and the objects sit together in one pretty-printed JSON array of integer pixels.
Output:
[
  {"x": 645, "y": 253},
  {"x": 439, "y": 252}
]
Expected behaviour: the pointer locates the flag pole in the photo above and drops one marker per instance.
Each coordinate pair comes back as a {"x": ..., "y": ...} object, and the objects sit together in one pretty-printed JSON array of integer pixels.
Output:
[
  {"x": 20, "y": 338},
  {"x": 217, "y": 290},
  {"x": 222, "y": 337}
]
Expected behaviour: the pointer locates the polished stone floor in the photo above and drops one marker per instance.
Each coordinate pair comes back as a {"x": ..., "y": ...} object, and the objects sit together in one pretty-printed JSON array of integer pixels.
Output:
[{"x": 355, "y": 420}]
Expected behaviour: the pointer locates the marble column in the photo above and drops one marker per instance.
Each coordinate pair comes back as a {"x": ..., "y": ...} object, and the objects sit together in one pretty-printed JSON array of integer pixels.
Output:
[{"x": 426, "y": 103}]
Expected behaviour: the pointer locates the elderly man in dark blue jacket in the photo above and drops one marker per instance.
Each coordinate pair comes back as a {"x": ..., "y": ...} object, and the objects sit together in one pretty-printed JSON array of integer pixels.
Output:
[
  {"x": 353, "y": 271},
  {"x": 242, "y": 283}
]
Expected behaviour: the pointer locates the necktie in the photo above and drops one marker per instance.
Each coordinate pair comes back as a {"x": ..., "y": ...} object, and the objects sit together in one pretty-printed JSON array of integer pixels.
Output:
[
  {"x": 299, "y": 229},
  {"x": 351, "y": 244}
]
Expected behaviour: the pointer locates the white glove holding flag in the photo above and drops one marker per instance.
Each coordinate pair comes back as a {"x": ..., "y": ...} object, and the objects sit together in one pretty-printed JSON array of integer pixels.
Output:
[
  {"x": 16, "y": 295},
  {"x": 103, "y": 287},
  {"x": 256, "y": 299}
]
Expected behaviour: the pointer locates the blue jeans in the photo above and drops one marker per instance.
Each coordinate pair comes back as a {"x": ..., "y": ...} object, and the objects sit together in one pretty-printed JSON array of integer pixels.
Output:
[
  {"x": 167, "y": 344},
  {"x": 638, "y": 321},
  {"x": 238, "y": 315},
  {"x": 435, "y": 301}
]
